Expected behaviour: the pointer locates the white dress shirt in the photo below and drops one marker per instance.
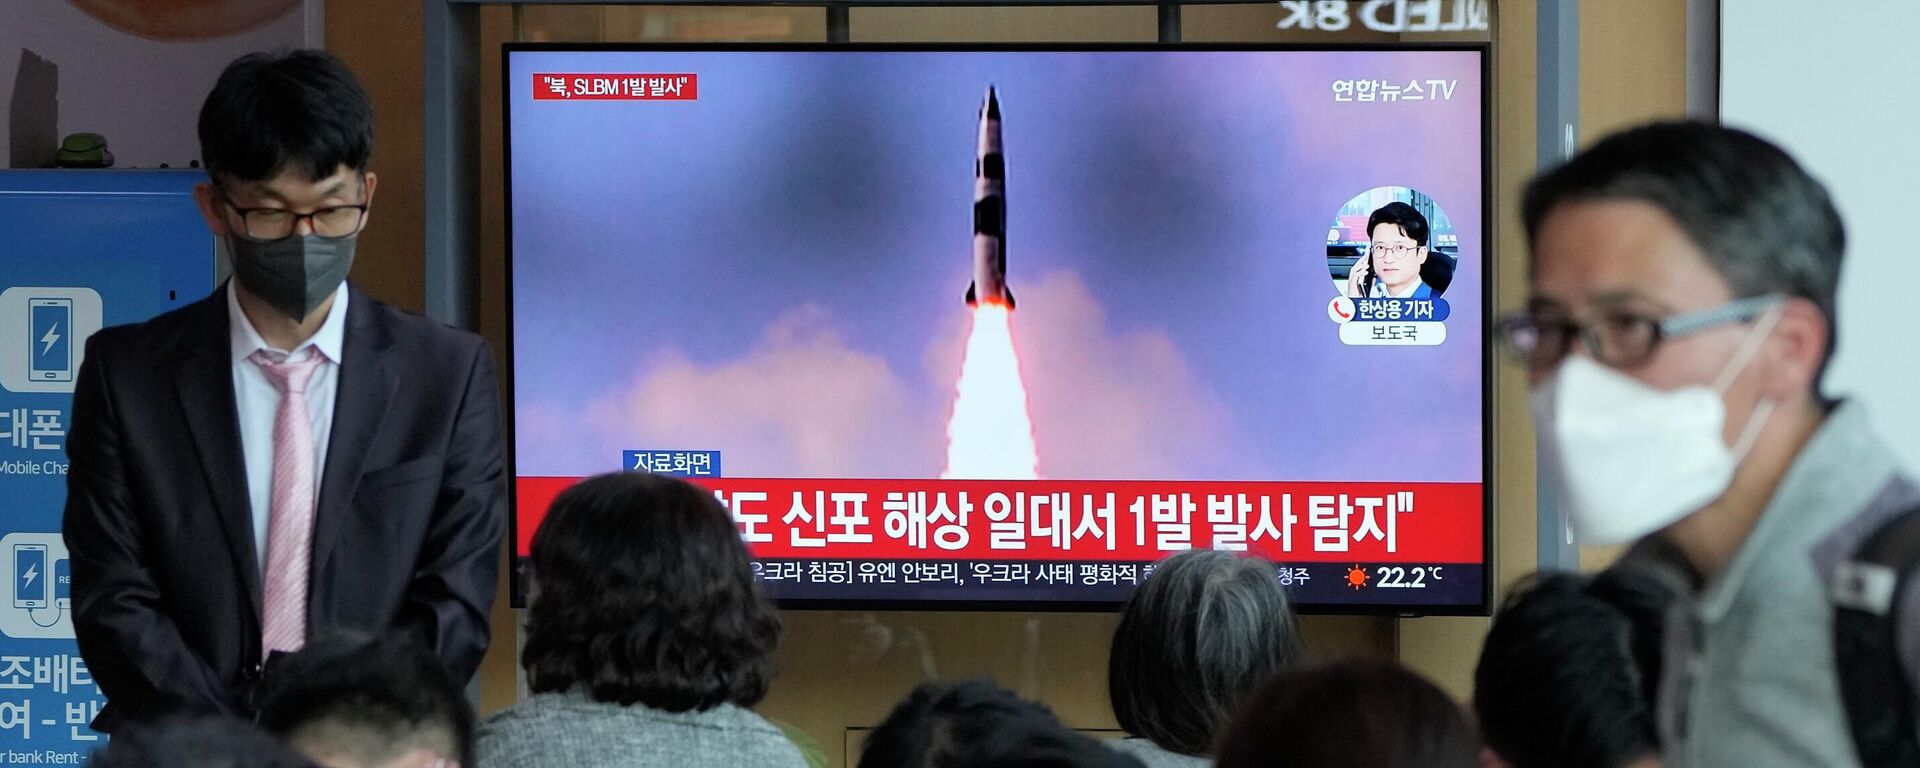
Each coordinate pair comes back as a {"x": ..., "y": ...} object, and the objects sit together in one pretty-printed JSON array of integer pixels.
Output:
[
  {"x": 258, "y": 403},
  {"x": 1381, "y": 291}
]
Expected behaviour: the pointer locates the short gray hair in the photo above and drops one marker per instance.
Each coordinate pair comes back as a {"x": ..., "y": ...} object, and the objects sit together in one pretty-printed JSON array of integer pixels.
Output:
[
  {"x": 1763, "y": 222},
  {"x": 1203, "y": 630}
]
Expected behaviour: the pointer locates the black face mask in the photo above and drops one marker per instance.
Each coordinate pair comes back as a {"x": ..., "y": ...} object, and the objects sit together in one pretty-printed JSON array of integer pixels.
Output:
[{"x": 295, "y": 273}]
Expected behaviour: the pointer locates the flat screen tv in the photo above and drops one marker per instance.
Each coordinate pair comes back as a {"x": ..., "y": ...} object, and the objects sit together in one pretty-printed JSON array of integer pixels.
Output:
[{"x": 1001, "y": 327}]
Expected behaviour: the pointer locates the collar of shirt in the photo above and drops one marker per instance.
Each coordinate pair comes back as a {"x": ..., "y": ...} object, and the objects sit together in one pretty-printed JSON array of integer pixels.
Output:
[
  {"x": 1381, "y": 291},
  {"x": 1837, "y": 473},
  {"x": 245, "y": 340}
]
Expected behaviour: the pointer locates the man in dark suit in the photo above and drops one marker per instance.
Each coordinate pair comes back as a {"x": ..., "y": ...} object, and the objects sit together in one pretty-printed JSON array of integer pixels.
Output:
[{"x": 287, "y": 455}]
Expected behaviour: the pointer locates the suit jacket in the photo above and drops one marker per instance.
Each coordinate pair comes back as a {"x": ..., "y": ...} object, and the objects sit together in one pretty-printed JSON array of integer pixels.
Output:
[{"x": 166, "y": 584}]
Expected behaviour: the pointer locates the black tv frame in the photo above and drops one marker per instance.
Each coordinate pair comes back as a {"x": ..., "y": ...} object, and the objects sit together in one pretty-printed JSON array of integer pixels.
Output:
[{"x": 1404, "y": 610}]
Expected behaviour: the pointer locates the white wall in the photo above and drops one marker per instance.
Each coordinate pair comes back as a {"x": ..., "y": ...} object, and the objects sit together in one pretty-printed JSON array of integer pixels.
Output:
[
  {"x": 1838, "y": 84},
  {"x": 144, "y": 95}
]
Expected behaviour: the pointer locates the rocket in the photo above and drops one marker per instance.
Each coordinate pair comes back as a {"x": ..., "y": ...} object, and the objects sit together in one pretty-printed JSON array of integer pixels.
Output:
[{"x": 989, "y": 211}]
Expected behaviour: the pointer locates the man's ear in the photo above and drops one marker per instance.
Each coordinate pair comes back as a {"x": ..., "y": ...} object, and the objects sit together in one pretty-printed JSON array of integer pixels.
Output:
[
  {"x": 1799, "y": 343},
  {"x": 366, "y": 195},
  {"x": 212, "y": 208}
]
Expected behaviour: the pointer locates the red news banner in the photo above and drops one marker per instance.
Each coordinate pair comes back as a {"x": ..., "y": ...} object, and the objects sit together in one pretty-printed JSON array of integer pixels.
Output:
[
  {"x": 616, "y": 87},
  {"x": 1120, "y": 521}
]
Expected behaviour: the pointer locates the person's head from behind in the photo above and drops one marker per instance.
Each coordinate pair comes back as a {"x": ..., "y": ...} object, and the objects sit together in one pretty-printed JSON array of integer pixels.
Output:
[
  {"x": 643, "y": 593},
  {"x": 286, "y": 139},
  {"x": 348, "y": 700},
  {"x": 1197, "y": 635},
  {"x": 1568, "y": 675},
  {"x": 963, "y": 725},
  {"x": 1348, "y": 714},
  {"x": 206, "y": 743},
  {"x": 1397, "y": 236},
  {"x": 1681, "y": 312}
]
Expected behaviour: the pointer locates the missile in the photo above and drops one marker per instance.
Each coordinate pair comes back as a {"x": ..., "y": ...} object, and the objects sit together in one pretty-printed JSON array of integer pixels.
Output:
[{"x": 989, "y": 211}]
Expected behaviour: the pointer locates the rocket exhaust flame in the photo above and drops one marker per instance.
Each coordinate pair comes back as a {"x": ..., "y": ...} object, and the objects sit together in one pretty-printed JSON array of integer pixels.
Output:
[{"x": 990, "y": 436}]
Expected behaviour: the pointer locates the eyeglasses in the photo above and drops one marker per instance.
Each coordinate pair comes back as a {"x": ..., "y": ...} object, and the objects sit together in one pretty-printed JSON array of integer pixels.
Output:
[
  {"x": 1394, "y": 251},
  {"x": 332, "y": 222},
  {"x": 1617, "y": 340}
]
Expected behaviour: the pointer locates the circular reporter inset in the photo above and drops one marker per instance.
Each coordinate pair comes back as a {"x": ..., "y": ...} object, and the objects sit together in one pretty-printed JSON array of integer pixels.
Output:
[{"x": 1391, "y": 242}]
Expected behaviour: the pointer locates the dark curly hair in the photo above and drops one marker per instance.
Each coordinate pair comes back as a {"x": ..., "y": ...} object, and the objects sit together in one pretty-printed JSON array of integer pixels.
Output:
[
  {"x": 369, "y": 697},
  {"x": 1570, "y": 671},
  {"x": 1355, "y": 713},
  {"x": 976, "y": 723},
  {"x": 644, "y": 593}
]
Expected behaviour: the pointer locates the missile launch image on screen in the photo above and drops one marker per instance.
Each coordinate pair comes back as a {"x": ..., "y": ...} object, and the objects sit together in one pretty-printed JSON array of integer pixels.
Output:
[
  {"x": 990, "y": 433},
  {"x": 802, "y": 285},
  {"x": 989, "y": 210},
  {"x": 789, "y": 271}
]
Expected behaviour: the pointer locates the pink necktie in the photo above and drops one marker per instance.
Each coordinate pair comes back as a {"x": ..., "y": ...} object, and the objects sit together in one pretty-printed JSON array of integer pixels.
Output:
[{"x": 290, "y": 514}]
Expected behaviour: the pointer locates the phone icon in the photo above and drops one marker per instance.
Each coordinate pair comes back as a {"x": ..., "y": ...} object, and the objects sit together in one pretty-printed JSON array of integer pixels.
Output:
[
  {"x": 51, "y": 340},
  {"x": 62, "y": 584},
  {"x": 29, "y": 575}
]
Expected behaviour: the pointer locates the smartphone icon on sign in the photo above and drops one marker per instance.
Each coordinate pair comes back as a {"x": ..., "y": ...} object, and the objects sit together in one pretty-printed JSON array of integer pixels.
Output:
[
  {"x": 51, "y": 340},
  {"x": 62, "y": 583},
  {"x": 29, "y": 575}
]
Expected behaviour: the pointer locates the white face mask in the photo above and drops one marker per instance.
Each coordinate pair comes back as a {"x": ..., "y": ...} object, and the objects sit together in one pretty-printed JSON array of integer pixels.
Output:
[{"x": 1633, "y": 459}]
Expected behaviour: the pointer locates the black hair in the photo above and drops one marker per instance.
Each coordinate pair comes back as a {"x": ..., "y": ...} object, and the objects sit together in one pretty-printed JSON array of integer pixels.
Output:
[
  {"x": 201, "y": 743},
  {"x": 1570, "y": 670},
  {"x": 975, "y": 724},
  {"x": 1349, "y": 714},
  {"x": 1408, "y": 218},
  {"x": 271, "y": 112},
  {"x": 645, "y": 594},
  {"x": 1760, "y": 219},
  {"x": 1197, "y": 635},
  {"x": 374, "y": 697}
]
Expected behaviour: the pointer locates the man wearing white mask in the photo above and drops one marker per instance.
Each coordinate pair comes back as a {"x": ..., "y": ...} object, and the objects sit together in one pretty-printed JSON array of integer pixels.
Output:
[{"x": 1681, "y": 314}]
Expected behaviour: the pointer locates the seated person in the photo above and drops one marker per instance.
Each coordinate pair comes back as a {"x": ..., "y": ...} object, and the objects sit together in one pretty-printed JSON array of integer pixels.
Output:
[
  {"x": 1568, "y": 674},
  {"x": 197, "y": 743},
  {"x": 1203, "y": 630},
  {"x": 349, "y": 700},
  {"x": 974, "y": 724},
  {"x": 1349, "y": 714},
  {"x": 1396, "y": 253},
  {"x": 646, "y": 638}
]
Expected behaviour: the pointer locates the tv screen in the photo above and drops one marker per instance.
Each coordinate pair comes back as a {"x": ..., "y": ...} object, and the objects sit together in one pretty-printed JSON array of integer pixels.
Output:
[{"x": 996, "y": 326}]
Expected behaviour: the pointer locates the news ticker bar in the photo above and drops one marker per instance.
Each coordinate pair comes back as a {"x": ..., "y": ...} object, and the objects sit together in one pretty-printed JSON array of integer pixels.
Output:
[{"x": 1037, "y": 581}]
